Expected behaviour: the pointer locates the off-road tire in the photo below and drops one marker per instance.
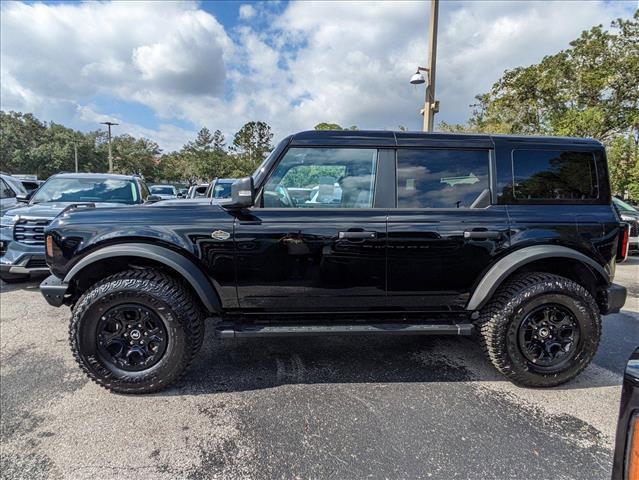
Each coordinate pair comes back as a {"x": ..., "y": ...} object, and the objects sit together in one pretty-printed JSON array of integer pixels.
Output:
[
  {"x": 175, "y": 305},
  {"x": 499, "y": 321}
]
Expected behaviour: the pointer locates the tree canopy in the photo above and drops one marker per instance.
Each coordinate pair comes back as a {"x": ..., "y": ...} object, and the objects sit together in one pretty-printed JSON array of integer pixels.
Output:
[
  {"x": 29, "y": 145},
  {"x": 588, "y": 90}
]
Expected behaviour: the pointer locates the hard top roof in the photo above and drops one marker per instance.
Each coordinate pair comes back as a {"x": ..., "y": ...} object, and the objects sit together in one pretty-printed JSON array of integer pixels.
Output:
[{"x": 391, "y": 138}]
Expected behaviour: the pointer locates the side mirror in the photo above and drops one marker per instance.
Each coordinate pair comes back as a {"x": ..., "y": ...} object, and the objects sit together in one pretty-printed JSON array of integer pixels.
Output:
[
  {"x": 153, "y": 199},
  {"x": 25, "y": 198},
  {"x": 242, "y": 194}
]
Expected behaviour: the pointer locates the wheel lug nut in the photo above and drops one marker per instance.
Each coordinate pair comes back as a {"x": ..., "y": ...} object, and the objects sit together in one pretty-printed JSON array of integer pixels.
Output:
[
  {"x": 146, "y": 333},
  {"x": 141, "y": 342},
  {"x": 131, "y": 342},
  {"x": 139, "y": 325}
]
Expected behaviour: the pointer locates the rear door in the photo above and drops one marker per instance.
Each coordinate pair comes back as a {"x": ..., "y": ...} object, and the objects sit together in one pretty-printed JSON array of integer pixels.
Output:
[
  {"x": 445, "y": 229},
  {"x": 317, "y": 240}
]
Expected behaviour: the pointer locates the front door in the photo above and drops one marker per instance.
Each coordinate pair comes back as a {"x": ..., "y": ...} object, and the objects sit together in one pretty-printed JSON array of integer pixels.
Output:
[
  {"x": 316, "y": 242},
  {"x": 445, "y": 230}
]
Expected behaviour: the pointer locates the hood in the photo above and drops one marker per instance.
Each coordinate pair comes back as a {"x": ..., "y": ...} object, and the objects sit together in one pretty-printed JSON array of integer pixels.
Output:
[
  {"x": 51, "y": 209},
  {"x": 187, "y": 201}
]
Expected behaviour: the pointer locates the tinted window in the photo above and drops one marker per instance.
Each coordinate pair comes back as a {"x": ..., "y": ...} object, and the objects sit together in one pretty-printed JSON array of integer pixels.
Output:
[
  {"x": 162, "y": 190},
  {"x": 442, "y": 179},
  {"x": 554, "y": 175},
  {"x": 145, "y": 190},
  {"x": 5, "y": 190},
  {"x": 86, "y": 190},
  {"x": 323, "y": 178}
]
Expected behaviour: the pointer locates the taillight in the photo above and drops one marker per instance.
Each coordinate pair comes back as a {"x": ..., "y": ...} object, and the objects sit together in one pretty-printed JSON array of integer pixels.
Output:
[
  {"x": 624, "y": 243},
  {"x": 632, "y": 450}
]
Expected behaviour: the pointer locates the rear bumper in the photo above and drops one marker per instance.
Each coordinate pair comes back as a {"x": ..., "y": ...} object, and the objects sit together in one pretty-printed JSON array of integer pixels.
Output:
[
  {"x": 615, "y": 299},
  {"x": 54, "y": 290}
]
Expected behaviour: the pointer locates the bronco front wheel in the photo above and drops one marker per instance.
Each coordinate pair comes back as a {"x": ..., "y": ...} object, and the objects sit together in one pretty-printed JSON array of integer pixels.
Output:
[{"x": 136, "y": 331}]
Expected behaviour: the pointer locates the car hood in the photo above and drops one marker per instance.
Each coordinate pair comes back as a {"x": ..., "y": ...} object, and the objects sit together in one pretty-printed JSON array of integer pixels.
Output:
[
  {"x": 52, "y": 209},
  {"x": 182, "y": 201}
]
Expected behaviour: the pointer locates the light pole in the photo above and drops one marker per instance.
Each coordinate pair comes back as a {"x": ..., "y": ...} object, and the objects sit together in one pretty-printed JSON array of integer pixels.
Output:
[
  {"x": 109, "y": 124},
  {"x": 75, "y": 152},
  {"x": 431, "y": 106}
]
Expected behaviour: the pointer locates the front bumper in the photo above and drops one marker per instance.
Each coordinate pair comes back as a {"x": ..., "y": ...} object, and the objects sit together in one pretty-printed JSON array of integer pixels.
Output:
[
  {"x": 20, "y": 260},
  {"x": 615, "y": 298},
  {"x": 54, "y": 290}
]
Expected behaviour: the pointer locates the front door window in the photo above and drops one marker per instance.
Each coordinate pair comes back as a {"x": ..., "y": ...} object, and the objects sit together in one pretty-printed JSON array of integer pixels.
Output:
[{"x": 322, "y": 178}]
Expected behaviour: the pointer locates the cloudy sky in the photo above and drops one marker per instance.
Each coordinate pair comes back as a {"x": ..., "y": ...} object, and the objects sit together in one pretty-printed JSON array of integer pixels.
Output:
[{"x": 163, "y": 69}]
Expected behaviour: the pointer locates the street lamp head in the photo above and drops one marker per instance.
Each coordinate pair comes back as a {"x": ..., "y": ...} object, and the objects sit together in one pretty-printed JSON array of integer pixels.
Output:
[{"x": 417, "y": 78}]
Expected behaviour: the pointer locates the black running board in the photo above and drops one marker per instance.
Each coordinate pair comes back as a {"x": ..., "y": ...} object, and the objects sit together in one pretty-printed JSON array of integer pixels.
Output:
[{"x": 226, "y": 331}]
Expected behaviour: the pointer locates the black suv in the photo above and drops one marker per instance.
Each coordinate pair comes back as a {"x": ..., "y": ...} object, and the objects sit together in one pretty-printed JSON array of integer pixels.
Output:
[{"x": 512, "y": 238}]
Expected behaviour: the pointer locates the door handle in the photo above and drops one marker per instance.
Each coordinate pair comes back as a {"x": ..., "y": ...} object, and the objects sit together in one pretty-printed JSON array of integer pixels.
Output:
[
  {"x": 357, "y": 235},
  {"x": 483, "y": 234}
]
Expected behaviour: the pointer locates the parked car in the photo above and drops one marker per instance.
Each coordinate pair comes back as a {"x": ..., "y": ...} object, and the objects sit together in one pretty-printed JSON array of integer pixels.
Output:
[
  {"x": 626, "y": 461},
  {"x": 11, "y": 192},
  {"x": 512, "y": 238},
  {"x": 163, "y": 192},
  {"x": 220, "y": 188},
  {"x": 31, "y": 185},
  {"x": 630, "y": 215},
  {"x": 183, "y": 192},
  {"x": 22, "y": 230},
  {"x": 197, "y": 191}
]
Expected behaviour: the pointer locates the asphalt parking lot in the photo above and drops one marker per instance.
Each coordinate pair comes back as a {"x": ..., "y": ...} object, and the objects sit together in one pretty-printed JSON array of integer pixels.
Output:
[{"x": 305, "y": 408}]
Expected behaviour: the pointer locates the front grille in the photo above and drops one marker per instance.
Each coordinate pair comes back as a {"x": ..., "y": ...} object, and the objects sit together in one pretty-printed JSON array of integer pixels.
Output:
[
  {"x": 36, "y": 263},
  {"x": 634, "y": 228},
  {"x": 30, "y": 230}
]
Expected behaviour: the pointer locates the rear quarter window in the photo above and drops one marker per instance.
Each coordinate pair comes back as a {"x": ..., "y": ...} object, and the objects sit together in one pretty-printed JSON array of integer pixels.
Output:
[{"x": 553, "y": 175}]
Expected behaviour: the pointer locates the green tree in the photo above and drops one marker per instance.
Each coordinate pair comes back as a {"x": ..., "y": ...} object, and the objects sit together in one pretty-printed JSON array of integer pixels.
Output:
[
  {"x": 588, "y": 90},
  {"x": 251, "y": 144}
]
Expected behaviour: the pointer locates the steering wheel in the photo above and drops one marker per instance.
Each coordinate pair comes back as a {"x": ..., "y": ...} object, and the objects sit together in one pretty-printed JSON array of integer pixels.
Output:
[{"x": 284, "y": 196}]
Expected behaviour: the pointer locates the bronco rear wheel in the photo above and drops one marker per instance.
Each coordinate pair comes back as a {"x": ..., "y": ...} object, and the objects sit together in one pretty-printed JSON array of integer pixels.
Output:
[
  {"x": 540, "y": 330},
  {"x": 136, "y": 331}
]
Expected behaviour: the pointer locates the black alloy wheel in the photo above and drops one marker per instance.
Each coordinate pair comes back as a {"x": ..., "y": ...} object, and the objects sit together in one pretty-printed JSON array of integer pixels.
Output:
[
  {"x": 131, "y": 337},
  {"x": 548, "y": 335}
]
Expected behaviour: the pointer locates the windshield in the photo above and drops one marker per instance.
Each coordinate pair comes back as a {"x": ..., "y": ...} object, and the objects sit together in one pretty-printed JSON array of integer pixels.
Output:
[
  {"x": 162, "y": 190},
  {"x": 87, "y": 190},
  {"x": 222, "y": 190},
  {"x": 624, "y": 206}
]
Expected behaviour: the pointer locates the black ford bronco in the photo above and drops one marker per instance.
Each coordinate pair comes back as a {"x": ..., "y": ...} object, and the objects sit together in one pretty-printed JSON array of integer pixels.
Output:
[{"x": 513, "y": 239}]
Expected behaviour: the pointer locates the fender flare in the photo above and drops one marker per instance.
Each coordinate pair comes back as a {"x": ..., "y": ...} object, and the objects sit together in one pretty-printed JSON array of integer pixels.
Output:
[
  {"x": 182, "y": 265},
  {"x": 511, "y": 262}
]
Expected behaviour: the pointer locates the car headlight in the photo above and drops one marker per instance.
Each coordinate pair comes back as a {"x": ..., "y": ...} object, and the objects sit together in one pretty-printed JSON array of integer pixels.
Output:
[
  {"x": 626, "y": 218},
  {"x": 8, "y": 220}
]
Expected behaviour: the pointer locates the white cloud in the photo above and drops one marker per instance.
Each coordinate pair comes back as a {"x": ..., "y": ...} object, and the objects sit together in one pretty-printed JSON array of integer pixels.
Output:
[
  {"x": 247, "y": 11},
  {"x": 340, "y": 62}
]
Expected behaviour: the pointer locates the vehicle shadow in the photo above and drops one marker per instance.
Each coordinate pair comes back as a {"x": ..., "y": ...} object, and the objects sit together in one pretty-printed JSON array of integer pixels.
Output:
[
  {"x": 31, "y": 284},
  {"x": 262, "y": 363}
]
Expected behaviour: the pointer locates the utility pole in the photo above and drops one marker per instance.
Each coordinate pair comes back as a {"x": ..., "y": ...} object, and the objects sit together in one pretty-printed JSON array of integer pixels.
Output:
[
  {"x": 75, "y": 151},
  {"x": 109, "y": 124},
  {"x": 431, "y": 107}
]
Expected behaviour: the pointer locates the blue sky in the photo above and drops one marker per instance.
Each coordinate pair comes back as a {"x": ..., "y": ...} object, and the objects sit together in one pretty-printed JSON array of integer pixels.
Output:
[{"x": 165, "y": 69}]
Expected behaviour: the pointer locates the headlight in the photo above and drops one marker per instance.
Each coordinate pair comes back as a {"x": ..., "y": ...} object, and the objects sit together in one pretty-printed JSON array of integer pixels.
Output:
[
  {"x": 8, "y": 220},
  {"x": 626, "y": 218}
]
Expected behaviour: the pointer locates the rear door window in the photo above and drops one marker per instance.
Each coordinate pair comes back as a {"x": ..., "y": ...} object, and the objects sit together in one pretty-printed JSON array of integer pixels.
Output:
[
  {"x": 437, "y": 178},
  {"x": 554, "y": 175}
]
